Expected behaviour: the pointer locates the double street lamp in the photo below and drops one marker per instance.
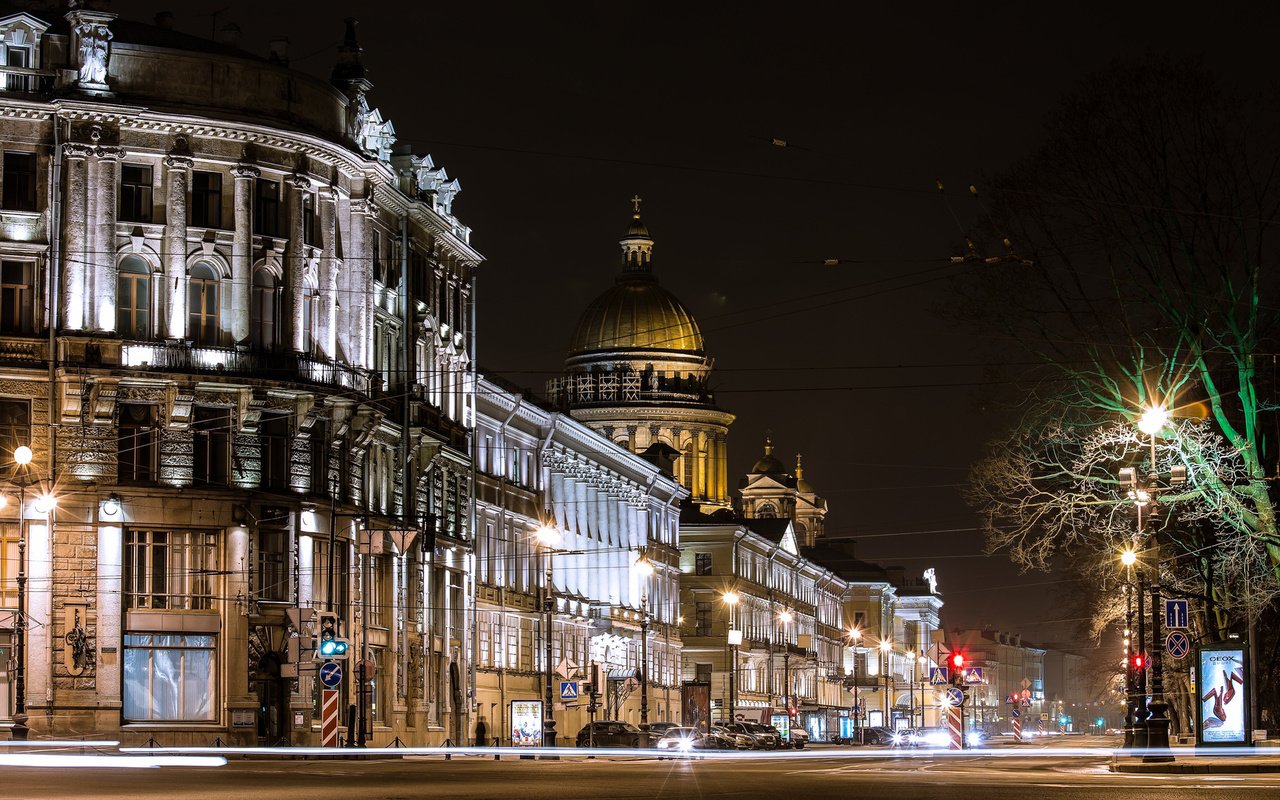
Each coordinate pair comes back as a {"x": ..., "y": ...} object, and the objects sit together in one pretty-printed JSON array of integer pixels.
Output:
[
  {"x": 549, "y": 538},
  {"x": 886, "y": 647},
  {"x": 785, "y": 617},
  {"x": 644, "y": 567},
  {"x": 734, "y": 638}
]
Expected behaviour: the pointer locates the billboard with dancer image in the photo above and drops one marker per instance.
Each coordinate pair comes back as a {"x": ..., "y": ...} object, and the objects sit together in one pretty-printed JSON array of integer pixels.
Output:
[{"x": 1223, "y": 716}]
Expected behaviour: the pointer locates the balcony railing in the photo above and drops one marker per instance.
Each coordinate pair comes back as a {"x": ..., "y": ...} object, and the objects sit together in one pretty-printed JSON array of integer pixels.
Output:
[{"x": 183, "y": 357}]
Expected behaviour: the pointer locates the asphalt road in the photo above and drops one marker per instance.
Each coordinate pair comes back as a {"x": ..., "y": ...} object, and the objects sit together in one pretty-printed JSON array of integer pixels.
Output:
[{"x": 828, "y": 774}]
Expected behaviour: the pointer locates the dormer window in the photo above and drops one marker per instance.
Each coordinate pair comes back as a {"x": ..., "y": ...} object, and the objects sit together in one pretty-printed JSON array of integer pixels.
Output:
[{"x": 20, "y": 49}]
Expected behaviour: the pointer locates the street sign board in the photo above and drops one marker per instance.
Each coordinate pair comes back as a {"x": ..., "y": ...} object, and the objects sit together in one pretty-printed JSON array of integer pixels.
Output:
[
  {"x": 955, "y": 696},
  {"x": 1026, "y": 693},
  {"x": 1175, "y": 614},
  {"x": 1017, "y": 712},
  {"x": 1012, "y": 700},
  {"x": 1026, "y": 684},
  {"x": 331, "y": 674},
  {"x": 1026, "y": 702},
  {"x": 1044, "y": 715},
  {"x": 568, "y": 690},
  {"x": 1177, "y": 644},
  {"x": 566, "y": 668},
  {"x": 939, "y": 676},
  {"x": 973, "y": 675}
]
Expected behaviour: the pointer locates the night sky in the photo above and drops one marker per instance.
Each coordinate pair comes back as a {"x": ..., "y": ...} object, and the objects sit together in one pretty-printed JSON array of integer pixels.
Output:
[{"x": 553, "y": 115}]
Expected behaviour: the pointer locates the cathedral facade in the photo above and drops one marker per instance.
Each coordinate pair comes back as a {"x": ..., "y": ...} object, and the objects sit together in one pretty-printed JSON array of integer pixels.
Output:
[{"x": 235, "y": 330}]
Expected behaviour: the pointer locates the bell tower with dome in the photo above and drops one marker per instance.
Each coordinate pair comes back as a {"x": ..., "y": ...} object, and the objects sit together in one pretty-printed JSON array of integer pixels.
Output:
[
  {"x": 769, "y": 491},
  {"x": 637, "y": 372}
]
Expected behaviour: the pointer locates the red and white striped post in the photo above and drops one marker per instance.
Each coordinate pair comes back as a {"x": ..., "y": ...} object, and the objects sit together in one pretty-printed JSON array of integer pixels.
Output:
[
  {"x": 329, "y": 718},
  {"x": 955, "y": 728}
]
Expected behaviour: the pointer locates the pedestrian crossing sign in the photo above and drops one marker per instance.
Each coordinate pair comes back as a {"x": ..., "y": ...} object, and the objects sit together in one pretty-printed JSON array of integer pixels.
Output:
[
  {"x": 939, "y": 676},
  {"x": 568, "y": 690}
]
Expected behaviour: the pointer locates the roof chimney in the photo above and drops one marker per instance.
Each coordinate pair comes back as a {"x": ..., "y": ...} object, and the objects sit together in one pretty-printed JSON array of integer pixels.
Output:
[
  {"x": 164, "y": 19},
  {"x": 279, "y": 50},
  {"x": 230, "y": 35}
]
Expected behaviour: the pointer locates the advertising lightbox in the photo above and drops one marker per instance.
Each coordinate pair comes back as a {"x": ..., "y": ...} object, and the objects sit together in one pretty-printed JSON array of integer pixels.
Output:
[
  {"x": 1222, "y": 715},
  {"x": 526, "y": 723}
]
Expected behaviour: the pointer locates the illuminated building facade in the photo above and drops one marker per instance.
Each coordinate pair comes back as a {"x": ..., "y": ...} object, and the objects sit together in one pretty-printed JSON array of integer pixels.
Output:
[{"x": 235, "y": 330}]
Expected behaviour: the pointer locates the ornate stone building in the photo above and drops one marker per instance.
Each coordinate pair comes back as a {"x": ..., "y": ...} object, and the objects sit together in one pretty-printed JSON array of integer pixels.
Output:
[
  {"x": 770, "y": 491},
  {"x": 638, "y": 372},
  {"x": 610, "y": 507},
  {"x": 235, "y": 331}
]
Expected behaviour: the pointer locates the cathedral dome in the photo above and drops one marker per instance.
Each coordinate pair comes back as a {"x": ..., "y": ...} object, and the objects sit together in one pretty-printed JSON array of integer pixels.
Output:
[
  {"x": 768, "y": 465},
  {"x": 636, "y": 314}
]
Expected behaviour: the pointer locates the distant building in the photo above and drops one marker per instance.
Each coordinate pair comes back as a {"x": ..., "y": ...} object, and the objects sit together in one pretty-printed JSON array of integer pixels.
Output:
[
  {"x": 769, "y": 491},
  {"x": 638, "y": 372}
]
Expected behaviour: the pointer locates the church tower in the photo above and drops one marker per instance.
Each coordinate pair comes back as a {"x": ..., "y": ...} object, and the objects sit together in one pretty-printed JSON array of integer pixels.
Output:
[
  {"x": 770, "y": 491},
  {"x": 637, "y": 372}
]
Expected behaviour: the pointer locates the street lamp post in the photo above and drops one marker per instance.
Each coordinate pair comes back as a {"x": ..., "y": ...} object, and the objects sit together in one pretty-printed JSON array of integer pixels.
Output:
[
  {"x": 1151, "y": 423},
  {"x": 734, "y": 638},
  {"x": 856, "y": 636},
  {"x": 785, "y": 618},
  {"x": 22, "y": 457},
  {"x": 548, "y": 537},
  {"x": 645, "y": 568},
  {"x": 885, "y": 647}
]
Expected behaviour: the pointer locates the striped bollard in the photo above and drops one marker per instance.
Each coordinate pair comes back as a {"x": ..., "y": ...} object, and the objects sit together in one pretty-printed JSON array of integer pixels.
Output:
[
  {"x": 329, "y": 718},
  {"x": 954, "y": 728}
]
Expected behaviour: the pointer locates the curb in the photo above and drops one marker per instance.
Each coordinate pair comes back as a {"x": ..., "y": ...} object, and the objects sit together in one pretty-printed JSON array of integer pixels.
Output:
[{"x": 1194, "y": 769}]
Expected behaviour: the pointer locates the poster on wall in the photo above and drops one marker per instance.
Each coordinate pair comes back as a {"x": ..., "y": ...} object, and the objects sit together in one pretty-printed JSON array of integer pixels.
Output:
[
  {"x": 695, "y": 706},
  {"x": 1224, "y": 695},
  {"x": 526, "y": 723}
]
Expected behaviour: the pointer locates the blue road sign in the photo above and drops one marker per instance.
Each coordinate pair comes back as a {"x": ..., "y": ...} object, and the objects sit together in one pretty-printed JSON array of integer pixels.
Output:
[
  {"x": 1026, "y": 702},
  {"x": 955, "y": 696},
  {"x": 331, "y": 674},
  {"x": 1175, "y": 614},
  {"x": 1177, "y": 644},
  {"x": 568, "y": 690},
  {"x": 973, "y": 675},
  {"x": 1017, "y": 712},
  {"x": 939, "y": 676}
]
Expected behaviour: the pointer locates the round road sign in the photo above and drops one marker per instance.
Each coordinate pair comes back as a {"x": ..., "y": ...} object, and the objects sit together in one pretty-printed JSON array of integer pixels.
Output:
[
  {"x": 955, "y": 696},
  {"x": 331, "y": 674},
  {"x": 1177, "y": 644}
]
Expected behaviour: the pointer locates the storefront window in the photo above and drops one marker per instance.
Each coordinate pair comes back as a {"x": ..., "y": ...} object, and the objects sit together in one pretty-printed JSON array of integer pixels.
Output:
[{"x": 169, "y": 678}]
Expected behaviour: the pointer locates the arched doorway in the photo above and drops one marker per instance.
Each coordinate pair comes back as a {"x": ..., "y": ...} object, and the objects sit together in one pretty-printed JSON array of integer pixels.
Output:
[{"x": 273, "y": 701}]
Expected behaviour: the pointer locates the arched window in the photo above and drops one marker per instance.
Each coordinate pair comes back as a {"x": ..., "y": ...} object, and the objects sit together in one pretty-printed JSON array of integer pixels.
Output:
[
  {"x": 263, "y": 312},
  {"x": 766, "y": 511},
  {"x": 204, "y": 307},
  {"x": 133, "y": 298}
]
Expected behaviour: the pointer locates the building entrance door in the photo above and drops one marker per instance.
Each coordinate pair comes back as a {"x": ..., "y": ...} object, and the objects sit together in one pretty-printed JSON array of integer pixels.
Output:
[{"x": 273, "y": 702}]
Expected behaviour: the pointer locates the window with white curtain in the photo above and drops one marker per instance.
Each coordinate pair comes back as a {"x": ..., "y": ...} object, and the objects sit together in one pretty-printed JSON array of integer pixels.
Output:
[{"x": 169, "y": 677}]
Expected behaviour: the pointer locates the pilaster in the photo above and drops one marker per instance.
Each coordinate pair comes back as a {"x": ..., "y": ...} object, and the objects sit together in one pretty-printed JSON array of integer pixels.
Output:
[
  {"x": 74, "y": 236},
  {"x": 295, "y": 264},
  {"x": 177, "y": 171},
  {"x": 242, "y": 251}
]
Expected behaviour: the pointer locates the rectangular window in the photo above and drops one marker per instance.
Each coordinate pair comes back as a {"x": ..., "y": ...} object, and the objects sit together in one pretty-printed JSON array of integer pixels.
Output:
[
  {"x": 137, "y": 445},
  {"x": 169, "y": 677},
  {"x": 702, "y": 673},
  {"x": 17, "y": 296},
  {"x": 702, "y": 620},
  {"x": 308, "y": 218},
  {"x": 19, "y": 181},
  {"x": 320, "y": 573},
  {"x": 211, "y": 434},
  {"x": 266, "y": 208},
  {"x": 169, "y": 569},
  {"x": 272, "y": 574},
  {"x": 135, "y": 193},
  {"x": 702, "y": 563},
  {"x": 18, "y": 57},
  {"x": 8, "y": 565},
  {"x": 375, "y": 590},
  {"x": 273, "y": 434},
  {"x": 206, "y": 199},
  {"x": 15, "y": 431}
]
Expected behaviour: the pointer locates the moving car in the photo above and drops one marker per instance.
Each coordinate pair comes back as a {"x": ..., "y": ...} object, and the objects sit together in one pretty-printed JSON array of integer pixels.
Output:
[
  {"x": 683, "y": 740},
  {"x": 877, "y": 735},
  {"x": 614, "y": 733},
  {"x": 930, "y": 737},
  {"x": 798, "y": 737}
]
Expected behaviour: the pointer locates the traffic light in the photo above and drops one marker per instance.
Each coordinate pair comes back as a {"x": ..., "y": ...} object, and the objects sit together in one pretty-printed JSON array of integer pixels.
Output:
[
  {"x": 1138, "y": 661},
  {"x": 331, "y": 645},
  {"x": 957, "y": 661}
]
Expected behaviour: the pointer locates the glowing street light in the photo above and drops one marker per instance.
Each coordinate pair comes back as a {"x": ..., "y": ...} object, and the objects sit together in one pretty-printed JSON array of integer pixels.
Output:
[
  {"x": 1128, "y": 557},
  {"x": 1153, "y": 419}
]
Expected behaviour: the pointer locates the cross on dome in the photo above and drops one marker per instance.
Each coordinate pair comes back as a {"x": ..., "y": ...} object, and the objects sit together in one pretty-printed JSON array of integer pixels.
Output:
[{"x": 636, "y": 200}]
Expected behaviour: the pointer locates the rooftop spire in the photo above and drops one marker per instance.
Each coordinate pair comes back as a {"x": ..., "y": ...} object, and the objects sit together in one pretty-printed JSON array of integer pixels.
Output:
[
  {"x": 349, "y": 70},
  {"x": 799, "y": 467},
  {"x": 768, "y": 444},
  {"x": 637, "y": 245}
]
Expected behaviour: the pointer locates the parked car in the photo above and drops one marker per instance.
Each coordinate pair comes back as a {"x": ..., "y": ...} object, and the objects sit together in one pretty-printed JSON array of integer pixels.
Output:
[
  {"x": 769, "y": 734},
  {"x": 661, "y": 728},
  {"x": 797, "y": 737},
  {"x": 614, "y": 733},
  {"x": 877, "y": 735},
  {"x": 740, "y": 740},
  {"x": 683, "y": 740}
]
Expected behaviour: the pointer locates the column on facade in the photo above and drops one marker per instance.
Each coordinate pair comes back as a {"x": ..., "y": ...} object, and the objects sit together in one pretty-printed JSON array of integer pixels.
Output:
[
  {"x": 326, "y": 325},
  {"x": 359, "y": 283},
  {"x": 39, "y": 610},
  {"x": 235, "y": 636},
  {"x": 74, "y": 295},
  {"x": 110, "y": 614},
  {"x": 177, "y": 172},
  {"x": 723, "y": 456},
  {"x": 295, "y": 265},
  {"x": 245, "y": 176},
  {"x": 103, "y": 182}
]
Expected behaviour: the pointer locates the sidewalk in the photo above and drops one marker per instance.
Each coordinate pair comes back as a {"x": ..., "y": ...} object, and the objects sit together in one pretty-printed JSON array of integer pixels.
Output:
[{"x": 1261, "y": 759}]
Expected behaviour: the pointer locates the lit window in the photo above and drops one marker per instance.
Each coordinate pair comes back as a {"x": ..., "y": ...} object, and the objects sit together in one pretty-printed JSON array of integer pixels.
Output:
[
  {"x": 203, "y": 306},
  {"x": 133, "y": 299},
  {"x": 135, "y": 193},
  {"x": 19, "y": 181},
  {"x": 169, "y": 677}
]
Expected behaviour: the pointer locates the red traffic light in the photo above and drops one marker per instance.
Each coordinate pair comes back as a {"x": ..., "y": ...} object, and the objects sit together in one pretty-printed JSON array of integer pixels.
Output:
[
  {"x": 957, "y": 660},
  {"x": 1138, "y": 662}
]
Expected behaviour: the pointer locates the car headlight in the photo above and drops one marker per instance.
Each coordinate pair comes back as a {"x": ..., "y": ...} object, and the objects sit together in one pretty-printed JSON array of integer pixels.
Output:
[
  {"x": 974, "y": 738},
  {"x": 897, "y": 738},
  {"x": 686, "y": 744}
]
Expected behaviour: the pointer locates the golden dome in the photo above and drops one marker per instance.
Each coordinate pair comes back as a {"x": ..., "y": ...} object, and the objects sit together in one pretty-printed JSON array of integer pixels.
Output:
[
  {"x": 768, "y": 465},
  {"x": 636, "y": 314}
]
